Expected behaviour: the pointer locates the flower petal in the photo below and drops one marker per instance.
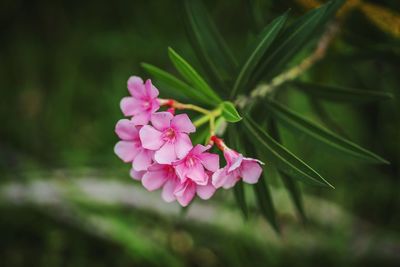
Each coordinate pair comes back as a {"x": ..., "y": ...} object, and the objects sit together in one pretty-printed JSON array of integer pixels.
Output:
[
  {"x": 136, "y": 87},
  {"x": 169, "y": 189},
  {"x": 143, "y": 160},
  {"x": 161, "y": 120},
  {"x": 153, "y": 180},
  {"x": 136, "y": 175},
  {"x": 250, "y": 171},
  {"x": 205, "y": 191},
  {"x": 126, "y": 130},
  {"x": 235, "y": 163},
  {"x": 166, "y": 154},
  {"x": 183, "y": 145},
  {"x": 130, "y": 106},
  {"x": 182, "y": 123},
  {"x": 151, "y": 90},
  {"x": 198, "y": 175},
  {"x": 141, "y": 118},
  {"x": 218, "y": 178},
  {"x": 210, "y": 161},
  {"x": 126, "y": 150},
  {"x": 185, "y": 192},
  {"x": 150, "y": 138}
]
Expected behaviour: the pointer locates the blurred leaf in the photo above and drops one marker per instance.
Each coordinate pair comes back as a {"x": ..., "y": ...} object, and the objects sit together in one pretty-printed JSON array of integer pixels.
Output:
[
  {"x": 176, "y": 84},
  {"x": 296, "y": 122},
  {"x": 257, "y": 51},
  {"x": 294, "y": 38},
  {"x": 192, "y": 76},
  {"x": 341, "y": 94},
  {"x": 238, "y": 190},
  {"x": 264, "y": 200},
  {"x": 282, "y": 157},
  {"x": 209, "y": 45},
  {"x": 229, "y": 112},
  {"x": 291, "y": 186}
]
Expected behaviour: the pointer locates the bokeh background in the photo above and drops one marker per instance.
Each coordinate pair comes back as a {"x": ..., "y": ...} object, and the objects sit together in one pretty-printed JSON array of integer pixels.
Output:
[{"x": 67, "y": 200}]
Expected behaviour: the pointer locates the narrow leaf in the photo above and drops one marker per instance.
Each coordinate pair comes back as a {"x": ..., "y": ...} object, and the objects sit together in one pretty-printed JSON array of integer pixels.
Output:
[
  {"x": 209, "y": 45},
  {"x": 299, "y": 123},
  {"x": 257, "y": 51},
  {"x": 282, "y": 157},
  {"x": 191, "y": 76},
  {"x": 264, "y": 201},
  {"x": 291, "y": 185},
  {"x": 294, "y": 38},
  {"x": 229, "y": 112},
  {"x": 341, "y": 94},
  {"x": 176, "y": 84}
]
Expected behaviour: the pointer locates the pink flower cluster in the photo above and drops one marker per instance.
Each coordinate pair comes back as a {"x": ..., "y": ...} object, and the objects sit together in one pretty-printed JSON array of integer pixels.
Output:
[{"x": 158, "y": 145}]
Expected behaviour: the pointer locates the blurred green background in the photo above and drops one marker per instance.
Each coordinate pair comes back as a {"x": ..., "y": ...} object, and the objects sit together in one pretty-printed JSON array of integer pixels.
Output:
[{"x": 67, "y": 200}]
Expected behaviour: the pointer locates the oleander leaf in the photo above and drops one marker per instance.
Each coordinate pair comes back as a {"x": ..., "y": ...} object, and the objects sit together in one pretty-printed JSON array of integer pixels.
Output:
[
  {"x": 296, "y": 122},
  {"x": 341, "y": 94},
  {"x": 285, "y": 160},
  {"x": 229, "y": 112},
  {"x": 291, "y": 185},
  {"x": 210, "y": 47},
  {"x": 294, "y": 38},
  {"x": 192, "y": 77},
  {"x": 256, "y": 52},
  {"x": 172, "y": 82}
]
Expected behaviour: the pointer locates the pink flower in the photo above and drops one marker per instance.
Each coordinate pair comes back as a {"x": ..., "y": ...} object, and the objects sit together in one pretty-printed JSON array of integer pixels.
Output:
[
  {"x": 161, "y": 175},
  {"x": 186, "y": 191},
  {"x": 194, "y": 165},
  {"x": 168, "y": 136},
  {"x": 237, "y": 167},
  {"x": 143, "y": 101},
  {"x": 130, "y": 149}
]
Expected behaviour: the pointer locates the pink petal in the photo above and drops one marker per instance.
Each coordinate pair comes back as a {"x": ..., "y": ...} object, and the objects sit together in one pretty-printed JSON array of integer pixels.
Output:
[
  {"x": 235, "y": 163},
  {"x": 126, "y": 150},
  {"x": 151, "y": 90},
  {"x": 198, "y": 175},
  {"x": 210, "y": 161},
  {"x": 150, "y": 137},
  {"x": 168, "y": 190},
  {"x": 136, "y": 87},
  {"x": 130, "y": 106},
  {"x": 153, "y": 180},
  {"x": 218, "y": 178},
  {"x": 183, "y": 145},
  {"x": 136, "y": 175},
  {"x": 143, "y": 160},
  {"x": 250, "y": 171},
  {"x": 182, "y": 123},
  {"x": 161, "y": 120},
  {"x": 231, "y": 179},
  {"x": 141, "y": 118},
  {"x": 185, "y": 193},
  {"x": 126, "y": 130},
  {"x": 198, "y": 149},
  {"x": 181, "y": 171},
  {"x": 205, "y": 191},
  {"x": 166, "y": 154}
]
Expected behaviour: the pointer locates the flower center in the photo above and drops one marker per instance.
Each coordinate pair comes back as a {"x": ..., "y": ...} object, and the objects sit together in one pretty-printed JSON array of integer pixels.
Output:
[
  {"x": 146, "y": 104},
  {"x": 169, "y": 135},
  {"x": 190, "y": 161}
]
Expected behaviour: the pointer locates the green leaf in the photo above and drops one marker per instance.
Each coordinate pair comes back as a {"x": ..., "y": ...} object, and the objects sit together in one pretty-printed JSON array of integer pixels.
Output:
[
  {"x": 256, "y": 52},
  {"x": 341, "y": 94},
  {"x": 264, "y": 201},
  {"x": 297, "y": 122},
  {"x": 229, "y": 112},
  {"x": 294, "y": 38},
  {"x": 192, "y": 77},
  {"x": 238, "y": 190},
  {"x": 282, "y": 157},
  {"x": 208, "y": 43},
  {"x": 290, "y": 184},
  {"x": 240, "y": 198},
  {"x": 176, "y": 84}
]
